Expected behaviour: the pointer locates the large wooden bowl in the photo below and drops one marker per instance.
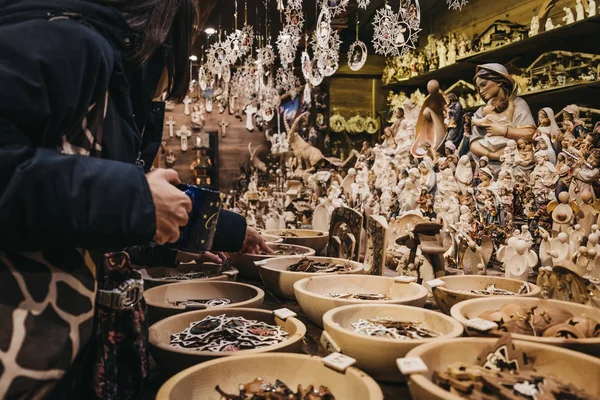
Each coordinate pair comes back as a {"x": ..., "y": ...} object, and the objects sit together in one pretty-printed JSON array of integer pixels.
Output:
[
  {"x": 311, "y": 293},
  {"x": 158, "y": 298},
  {"x": 449, "y": 295},
  {"x": 198, "y": 383},
  {"x": 153, "y": 275},
  {"x": 569, "y": 366},
  {"x": 375, "y": 355},
  {"x": 316, "y": 240},
  {"x": 474, "y": 308},
  {"x": 245, "y": 263},
  {"x": 280, "y": 282},
  {"x": 172, "y": 359}
]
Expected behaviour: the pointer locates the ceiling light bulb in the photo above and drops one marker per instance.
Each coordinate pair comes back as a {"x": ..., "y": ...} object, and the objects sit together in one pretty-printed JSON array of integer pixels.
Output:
[{"x": 210, "y": 31}]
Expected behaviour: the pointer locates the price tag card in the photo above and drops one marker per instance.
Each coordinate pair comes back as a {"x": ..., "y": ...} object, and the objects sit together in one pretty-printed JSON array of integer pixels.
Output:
[
  {"x": 435, "y": 283},
  {"x": 329, "y": 344},
  {"x": 405, "y": 279},
  {"x": 481, "y": 324},
  {"x": 411, "y": 365},
  {"x": 338, "y": 361},
  {"x": 284, "y": 313}
]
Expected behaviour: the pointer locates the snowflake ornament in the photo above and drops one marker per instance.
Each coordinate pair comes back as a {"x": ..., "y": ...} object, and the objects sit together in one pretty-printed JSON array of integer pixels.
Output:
[
  {"x": 363, "y": 3},
  {"x": 266, "y": 56},
  {"x": 246, "y": 39},
  {"x": 456, "y": 4},
  {"x": 218, "y": 57},
  {"x": 287, "y": 82},
  {"x": 328, "y": 56},
  {"x": 396, "y": 34},
  {"x": 295, "y": 4},
  {"x": 357, "y": 55},
  {"x": 336, "y": 6},
  {"x": 287, "y": 44},
  {"x": 294, "y": 17}
]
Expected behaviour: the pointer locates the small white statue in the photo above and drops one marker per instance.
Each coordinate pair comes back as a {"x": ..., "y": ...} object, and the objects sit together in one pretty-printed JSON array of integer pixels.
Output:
[
  {"x": 559, "y": 248},
  {"x": 186, "y": 103},
  {"x": 534, "y": 28},
  {"x": 592, "y": 9},
  {"x": 253, "y": 185},
  {"x": 579, "y": 11},
  {"x": 464, "y": 174},
  {"x": 171, "y": 125},
  {"x": 544, "y": 177},
  {"x": 517, "y": 259},
  {"x": 250, "y": 111},
  {"x": 549, "y": 25},
  {"x": 451, "y": 50},
  {"x": 223, "y": 125},
  {"x": 441, "y": 47},
  {"x": 569, "y": 18}
]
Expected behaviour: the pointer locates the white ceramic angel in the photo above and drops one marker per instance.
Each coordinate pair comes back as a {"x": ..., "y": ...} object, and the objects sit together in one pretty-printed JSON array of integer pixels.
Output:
[
  {"x": 560, "y": 248},
  {"x": 521, "y": 263},
  {"x": 576, "y": 236},
  {"x": 544, "y": 253},
  {"x": 475, "y": 258},
  {"x": 563, "y": 211},
  {"x": 588, "y": 212}
]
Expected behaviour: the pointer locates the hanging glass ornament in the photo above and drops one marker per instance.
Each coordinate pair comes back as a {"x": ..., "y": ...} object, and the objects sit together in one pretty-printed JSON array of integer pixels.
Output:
[
  {"x": 363, "y": 3},
  {"x": 287, "y": 82},
  {"x": 456, "y": 4},
  {"x": 287, "y": 44},
  {"x": 336, "y": 6}
]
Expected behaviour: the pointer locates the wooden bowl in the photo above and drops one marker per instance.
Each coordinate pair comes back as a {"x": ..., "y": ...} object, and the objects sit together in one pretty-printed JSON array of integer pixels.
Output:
[
  {"x": 570, "y": 366},
  {"x": 449, "y": 295},
  {"x": 280, "y": 282},
  {"x": 199, "y": 382},
  {"x": 377, "y": 356},
  {"x": 311, "y": 293},
  {"x": 152, "y": 275},
  {"x": 245, "y": 262},
  {"x": 316, "y": 240},
  {"x": 474, "y": 308},
  {"x": 271, "y": 238},
  {"x": 158, "y": 298},
  {"x": 172, "y": 360}
]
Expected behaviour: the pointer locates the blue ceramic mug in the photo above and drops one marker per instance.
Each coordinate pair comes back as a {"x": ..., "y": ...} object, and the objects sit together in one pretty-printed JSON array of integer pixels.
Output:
[{"x": 198, "y": 235}]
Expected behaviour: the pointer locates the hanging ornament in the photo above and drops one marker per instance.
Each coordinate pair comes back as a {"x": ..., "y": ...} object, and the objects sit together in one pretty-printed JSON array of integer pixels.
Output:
[
  {"x": 363, "y": 3},
  {"x": 337, "y": 123},
  {"x": 287, "y": 82},
  {"x": 246, "y": 39},
  {"x": 316, "y": 76},
  {"x": 336, "y": 6},
  {"x": 266, "y": 56},
  {"x": 294, "y": 17},
  {"x": 306, "y": 66},
  {"x": 357, "y": 53},
  {"x": 295, "y": 4},
  {"x": 323, "y": 30},
  {"x": 456, "y": 4},
  {"x": 287, "y": 44},
  {"x": 217, "y": 58},
  {"x": 327, "y": 56},
  {"x": 396, "y": 34},
  {"x": 306, "y": 96}
]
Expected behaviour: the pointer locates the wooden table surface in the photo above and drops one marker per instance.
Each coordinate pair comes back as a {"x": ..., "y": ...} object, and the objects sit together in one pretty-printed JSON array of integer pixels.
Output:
[{"x": 311, "y": 346}]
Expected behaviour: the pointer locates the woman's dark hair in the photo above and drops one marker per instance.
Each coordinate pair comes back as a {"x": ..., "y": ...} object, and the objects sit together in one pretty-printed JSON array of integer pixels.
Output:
[
  {"x": 160, "y": 21},
  {"x": 504, "y": 82}
]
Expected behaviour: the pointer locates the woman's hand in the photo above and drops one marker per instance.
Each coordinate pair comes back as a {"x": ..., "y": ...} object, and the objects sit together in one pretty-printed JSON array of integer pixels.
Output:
[
  {"x": 215, "y": 258},
  {"x": 496, "y": 130},
  {"x": 254, "y": 243}
]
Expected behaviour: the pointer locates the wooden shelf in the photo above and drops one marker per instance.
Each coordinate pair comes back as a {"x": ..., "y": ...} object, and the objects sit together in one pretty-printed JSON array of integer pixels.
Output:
[{"x": 577, "y": 37}]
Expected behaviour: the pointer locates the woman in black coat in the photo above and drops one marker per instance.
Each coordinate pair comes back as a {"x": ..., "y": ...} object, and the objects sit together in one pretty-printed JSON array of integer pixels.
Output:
[{"x": 78, "y": 131}]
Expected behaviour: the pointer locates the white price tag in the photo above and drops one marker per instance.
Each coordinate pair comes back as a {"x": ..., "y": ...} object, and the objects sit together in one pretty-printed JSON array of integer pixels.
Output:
[
  {"x": 284, "y": 313},
  {"x": 481, "y": 324},
  {"x": 405, "y": 279},
  {"x": 411, "y": 365},
  {"x": 338, "y": 361},
  {"x": 329, "y": 344},
  {"x": 435, "y": 283}
]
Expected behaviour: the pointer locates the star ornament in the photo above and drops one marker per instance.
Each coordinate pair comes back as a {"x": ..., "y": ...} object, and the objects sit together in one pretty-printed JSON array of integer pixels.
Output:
[
  {"x": 456, "y": 4},
  {"x": 393, "y": 34},
  {"x": 336, "y": 6},
  {"x": 363, "y": 3}
]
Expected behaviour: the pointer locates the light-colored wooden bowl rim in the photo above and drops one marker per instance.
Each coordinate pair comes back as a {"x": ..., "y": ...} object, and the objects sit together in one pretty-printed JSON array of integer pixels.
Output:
[
  {"x": 422, "y": 292},
  {"x": 322, "y": 235},
  {"x": 270, "y": 238},
  {"x": 535, "y": 289},
  {"x": 260, "y": 294},
  {"x": 456, "y": 312},
  {"x": 373, "y": 388},
  {"x": 290, "y": 340},
  {"x": 258, "y": 257},
  {"x": 428, "y": 385},
  {"x": 328, "y": 322},
  {"x": 358, "y": 267}
]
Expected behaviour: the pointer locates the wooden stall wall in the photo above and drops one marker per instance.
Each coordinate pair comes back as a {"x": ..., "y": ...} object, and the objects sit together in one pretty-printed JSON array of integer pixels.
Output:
[{"x": 233, "y": 149}]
